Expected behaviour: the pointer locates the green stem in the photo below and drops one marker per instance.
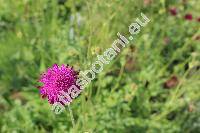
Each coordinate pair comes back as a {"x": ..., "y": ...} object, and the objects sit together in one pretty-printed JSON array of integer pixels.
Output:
[{"x": 71, "y": 115}]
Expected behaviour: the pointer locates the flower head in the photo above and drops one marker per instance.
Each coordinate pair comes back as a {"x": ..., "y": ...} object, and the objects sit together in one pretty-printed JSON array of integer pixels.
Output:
[
  {"x": 198, "y": 19},
  {"x": 57, "y": 79},
  {"x": 173, "y": 11},
  {"x": 188, "y": 16}
]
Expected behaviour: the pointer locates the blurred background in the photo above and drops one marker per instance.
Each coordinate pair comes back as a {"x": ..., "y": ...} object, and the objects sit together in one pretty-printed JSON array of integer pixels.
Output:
[{"x": 152, "y": 86}]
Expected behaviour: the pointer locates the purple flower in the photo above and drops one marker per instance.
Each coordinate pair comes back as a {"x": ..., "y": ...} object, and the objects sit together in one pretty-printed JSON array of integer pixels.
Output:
[
  {"x": 188, "y": 16},
  {"x": 198, "y": 19},
  {"x": 57, "y": 79},
  {"x": 173, "y": 11}
]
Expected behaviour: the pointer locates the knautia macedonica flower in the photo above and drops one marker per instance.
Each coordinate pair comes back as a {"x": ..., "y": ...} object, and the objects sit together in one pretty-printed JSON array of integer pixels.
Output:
[
  {"x": 55, "y": 80},
  {"x": 188, "y": 16},
  {"x": 198, "y": 19},
  {"x": 173, "y": 11}
]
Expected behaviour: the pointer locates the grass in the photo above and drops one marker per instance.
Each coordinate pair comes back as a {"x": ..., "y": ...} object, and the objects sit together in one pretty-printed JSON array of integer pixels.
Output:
[{"x": 129, "y": 94}]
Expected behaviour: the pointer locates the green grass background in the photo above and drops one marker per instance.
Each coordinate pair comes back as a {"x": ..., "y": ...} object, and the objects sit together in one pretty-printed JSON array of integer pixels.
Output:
[{"x": 128, "y": 96}]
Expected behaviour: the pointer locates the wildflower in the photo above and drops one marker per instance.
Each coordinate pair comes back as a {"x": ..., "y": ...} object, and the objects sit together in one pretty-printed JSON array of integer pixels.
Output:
[
  {"x": 198, "y": 19},
  {"x": 55, "y": 80},
  {"x": 188, "y": 16},
  {"x": 171, "y": 82},
  {"x": 173, "y": 11}
]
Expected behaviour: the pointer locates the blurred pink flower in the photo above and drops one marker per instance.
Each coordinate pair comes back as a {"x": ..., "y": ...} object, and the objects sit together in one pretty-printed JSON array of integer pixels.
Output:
[
  {"x": 173, "y": 11},
  {"x": 198, "y": 19},
  {"x": 188, "y": 16},
  {"x": 55, "y": 80}
]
